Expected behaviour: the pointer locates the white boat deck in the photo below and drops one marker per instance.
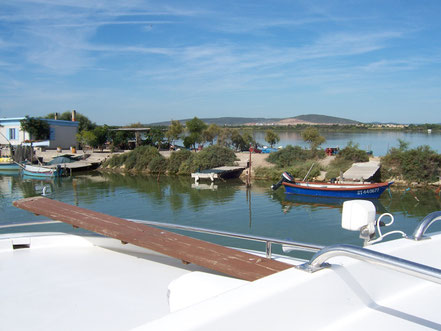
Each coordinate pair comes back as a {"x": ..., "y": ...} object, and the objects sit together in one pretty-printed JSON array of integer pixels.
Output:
[
  {"x": 351, "y": 295},
  {"x": 65, "y": 282}
]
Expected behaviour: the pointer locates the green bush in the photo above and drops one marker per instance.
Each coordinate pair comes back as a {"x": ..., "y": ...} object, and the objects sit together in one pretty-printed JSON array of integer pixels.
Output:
[
  {"x": 115, "y": 161},
  {"x": 158, "y": 164},
  {"x": 177, "y": 158},
  {"x": 302, "y": 169},
  {"x": 138, "y": 159},
  {"x": 420, "y": 164},
  {"x": 337, "y": 167},
  {"x": 344, "y": 160},
  {"x": 268, "y": 173},
  {"x": 212, "y": 157},
  {"x": 352, "y": 153},
  {"x": 141, "y": 162},
  {"x": 391, "y": 162},
  {"x": 186, "y": 167},
  {"x": 130, "y": 161},
  {"x": 298, "y": 171},
  {"x": 288, "y": 156}
]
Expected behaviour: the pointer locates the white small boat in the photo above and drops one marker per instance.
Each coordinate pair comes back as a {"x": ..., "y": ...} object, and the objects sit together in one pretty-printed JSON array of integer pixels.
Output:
[
  {"x": 41, "y": 171},
  {"x": 54, "y": 281}
]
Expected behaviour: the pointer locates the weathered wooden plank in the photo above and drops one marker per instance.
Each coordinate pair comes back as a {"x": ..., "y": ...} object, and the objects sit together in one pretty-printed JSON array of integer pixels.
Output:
[
  {"x": 362, "y": 171},
  {"x": 215, "y": 257}
]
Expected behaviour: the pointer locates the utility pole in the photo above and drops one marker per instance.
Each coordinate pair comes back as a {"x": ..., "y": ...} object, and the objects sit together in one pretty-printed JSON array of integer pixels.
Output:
[{"x": 249, "y": 171}]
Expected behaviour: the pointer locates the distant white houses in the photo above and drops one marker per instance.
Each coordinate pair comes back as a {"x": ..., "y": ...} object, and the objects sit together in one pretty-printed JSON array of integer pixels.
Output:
[
  {"x": 391, "y": 125},
  {"x": 62, "y": 133}
]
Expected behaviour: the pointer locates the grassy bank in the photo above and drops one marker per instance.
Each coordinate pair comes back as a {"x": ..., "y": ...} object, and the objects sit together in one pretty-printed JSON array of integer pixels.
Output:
[
  {"x": 147, "y": 159},
  {"x": 407, "y": 166}
]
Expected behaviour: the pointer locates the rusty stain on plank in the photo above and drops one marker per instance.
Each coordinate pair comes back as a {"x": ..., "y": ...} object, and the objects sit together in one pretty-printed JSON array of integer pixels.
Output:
[{"x": 216, "y": 257}]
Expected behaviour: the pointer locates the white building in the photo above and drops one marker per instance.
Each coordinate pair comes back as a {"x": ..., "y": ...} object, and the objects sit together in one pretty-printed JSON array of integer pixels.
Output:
[{"x": 62, "y": 133}]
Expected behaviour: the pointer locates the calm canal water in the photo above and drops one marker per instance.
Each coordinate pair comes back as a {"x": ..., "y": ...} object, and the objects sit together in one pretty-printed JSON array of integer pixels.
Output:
[
  {"x": 378, "y": 142},
  {"x": 227, "y": 206}
]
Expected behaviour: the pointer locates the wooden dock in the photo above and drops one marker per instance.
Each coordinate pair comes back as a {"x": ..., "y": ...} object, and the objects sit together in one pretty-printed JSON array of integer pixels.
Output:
[
  {"x": 215, "y": 257},
  {"x": 362, "y": 171},
  {"x": 75, "y": 166},
  {"x": 80, "y": 162},
  {"x": 225, "y": 172}
]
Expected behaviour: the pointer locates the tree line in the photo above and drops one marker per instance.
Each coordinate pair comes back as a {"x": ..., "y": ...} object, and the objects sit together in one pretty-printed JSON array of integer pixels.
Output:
[{"x": 195, "y": 132}]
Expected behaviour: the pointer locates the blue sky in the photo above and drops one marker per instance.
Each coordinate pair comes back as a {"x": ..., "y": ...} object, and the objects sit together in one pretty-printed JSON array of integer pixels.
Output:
[{"x": 121, "y": 62}]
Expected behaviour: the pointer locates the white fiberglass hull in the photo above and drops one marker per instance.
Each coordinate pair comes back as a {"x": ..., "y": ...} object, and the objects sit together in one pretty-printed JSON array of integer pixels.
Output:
[
  {"x": 350, "y": 295},
  {"x": 65, "y": 282},
  {"x": 62, "y": 282}
]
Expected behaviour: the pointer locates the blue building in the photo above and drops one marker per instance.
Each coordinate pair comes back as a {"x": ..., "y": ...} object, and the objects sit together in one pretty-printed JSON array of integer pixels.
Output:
[{"x": 62, "y": 133}]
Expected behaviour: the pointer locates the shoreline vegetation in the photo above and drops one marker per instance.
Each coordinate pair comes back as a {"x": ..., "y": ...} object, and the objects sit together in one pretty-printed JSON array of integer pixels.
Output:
[
  {"x": 219, "y": 145},
  {"x": 407, "y": 167},
  {"x": 421, "y": 165}
]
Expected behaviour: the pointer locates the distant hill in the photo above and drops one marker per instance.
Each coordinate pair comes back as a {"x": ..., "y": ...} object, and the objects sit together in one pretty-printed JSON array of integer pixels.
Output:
[
  {"x": 224, "y": 121},
  {"x": 323, "y": 119},
  {"x": 301, "y": 119}
]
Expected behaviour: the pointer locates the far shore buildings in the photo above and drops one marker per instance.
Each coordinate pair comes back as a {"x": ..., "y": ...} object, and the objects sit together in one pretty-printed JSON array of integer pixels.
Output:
[{"x": 62, "y": 133}]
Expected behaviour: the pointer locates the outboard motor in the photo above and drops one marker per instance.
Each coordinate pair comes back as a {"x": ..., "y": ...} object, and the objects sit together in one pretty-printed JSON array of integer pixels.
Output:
[{"x": 286, "y": 177}]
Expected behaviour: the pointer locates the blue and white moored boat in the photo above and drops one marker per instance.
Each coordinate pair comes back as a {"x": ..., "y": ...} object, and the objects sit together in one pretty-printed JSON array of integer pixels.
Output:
[
  {"x": 334, "y": 190},
  {"x": 39, "y": 171}
]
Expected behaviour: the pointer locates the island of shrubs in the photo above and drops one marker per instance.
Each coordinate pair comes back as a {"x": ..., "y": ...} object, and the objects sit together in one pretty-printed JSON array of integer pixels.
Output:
[
  {"x": 183, "y": 162},
  {"x": 420, "y": 165}
]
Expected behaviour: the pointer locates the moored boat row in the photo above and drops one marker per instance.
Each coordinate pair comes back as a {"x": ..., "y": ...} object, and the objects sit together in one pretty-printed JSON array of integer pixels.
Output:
[
  {"x": 11, "y": 167},
  {"x": 53, "y": 169}
]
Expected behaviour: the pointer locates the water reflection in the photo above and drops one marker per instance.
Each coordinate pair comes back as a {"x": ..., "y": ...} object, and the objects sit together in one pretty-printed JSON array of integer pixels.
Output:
[
  {"x": 178, "y": 193},
  {"x": 418, "y": 204},
  {"x": 379, "y": 142},
  {"x": 228, "y": 206},
  {"x": 291, "y": 201},
  {"x": 174, "y": 192},
  {"x": 25, "y": 187}
]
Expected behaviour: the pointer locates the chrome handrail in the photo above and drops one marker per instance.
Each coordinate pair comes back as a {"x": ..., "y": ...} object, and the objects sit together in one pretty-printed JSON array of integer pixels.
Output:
[
  {"x": 427, "y": 221},
  {"x": 6, "y": 226},
  {"x": 299, "y": 246},
  {"x": 418, "y": 270}
]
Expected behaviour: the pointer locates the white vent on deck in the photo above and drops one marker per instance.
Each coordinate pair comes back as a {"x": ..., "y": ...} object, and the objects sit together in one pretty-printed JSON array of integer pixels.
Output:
[{"x": 20, "y": 243}]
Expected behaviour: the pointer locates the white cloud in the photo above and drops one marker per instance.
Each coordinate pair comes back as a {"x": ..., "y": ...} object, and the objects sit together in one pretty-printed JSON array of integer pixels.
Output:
[{"x": 57, "y": 35}]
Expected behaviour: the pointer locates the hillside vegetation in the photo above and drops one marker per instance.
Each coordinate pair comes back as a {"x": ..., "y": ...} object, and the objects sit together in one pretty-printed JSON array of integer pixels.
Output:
[
  {"x": 238, "y": 121},
  {"x": 147, "y": 159},
  {"x": 323, "y": 119}
]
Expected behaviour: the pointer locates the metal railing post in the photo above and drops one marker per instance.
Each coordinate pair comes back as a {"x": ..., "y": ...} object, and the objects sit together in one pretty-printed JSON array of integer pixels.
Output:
[
  {"x": 268, "y": 249},
  {"x": 418, "y": 270},
  {"x": 427, "y": 221}
]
